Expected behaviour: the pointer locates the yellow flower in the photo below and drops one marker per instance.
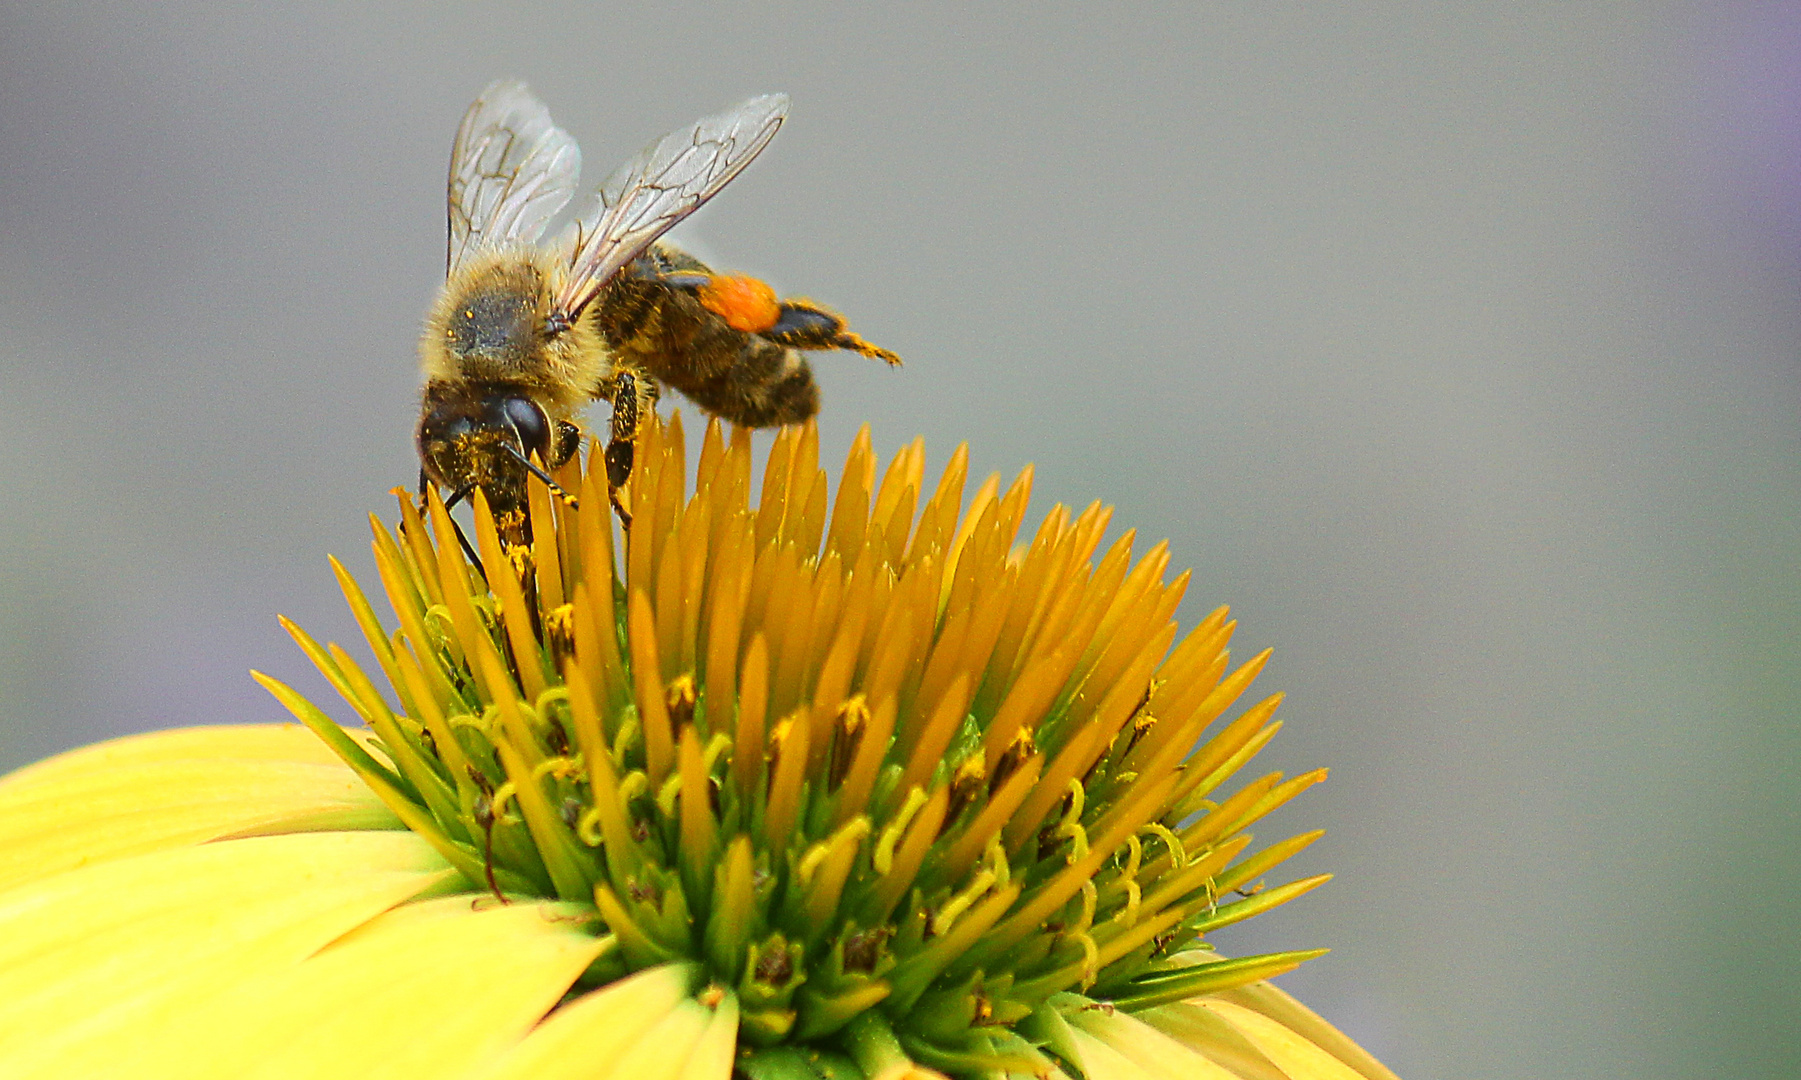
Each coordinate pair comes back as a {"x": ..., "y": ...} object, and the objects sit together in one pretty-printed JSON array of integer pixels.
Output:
[{"x": 867, "y": 793}]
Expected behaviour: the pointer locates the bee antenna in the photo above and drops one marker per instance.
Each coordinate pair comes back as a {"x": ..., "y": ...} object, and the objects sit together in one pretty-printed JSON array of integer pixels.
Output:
[{"x": 532, "y": 467}]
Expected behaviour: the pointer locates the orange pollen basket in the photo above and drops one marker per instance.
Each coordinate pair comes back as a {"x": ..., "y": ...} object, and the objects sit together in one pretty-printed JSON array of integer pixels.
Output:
[{"x": 744, "y": 303}]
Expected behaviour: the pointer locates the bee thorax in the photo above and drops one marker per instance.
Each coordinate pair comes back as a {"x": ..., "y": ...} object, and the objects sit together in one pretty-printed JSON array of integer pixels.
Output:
[{"x": 494, "y": 329}]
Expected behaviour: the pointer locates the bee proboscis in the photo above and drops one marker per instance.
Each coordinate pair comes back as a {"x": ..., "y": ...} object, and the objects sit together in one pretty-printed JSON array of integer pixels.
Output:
[{"x": 524, "y": 334}]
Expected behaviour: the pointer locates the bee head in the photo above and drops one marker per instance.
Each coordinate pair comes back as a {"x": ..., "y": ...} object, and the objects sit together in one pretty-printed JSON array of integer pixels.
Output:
[{"x": 468, "y": 441}]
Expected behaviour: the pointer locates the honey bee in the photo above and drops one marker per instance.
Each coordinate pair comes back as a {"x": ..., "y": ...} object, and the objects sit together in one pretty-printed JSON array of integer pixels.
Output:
[{"x": 525, "y": 334}]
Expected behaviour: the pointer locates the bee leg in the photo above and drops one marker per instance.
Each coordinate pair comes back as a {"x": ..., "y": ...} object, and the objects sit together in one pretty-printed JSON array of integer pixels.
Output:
[
  {"x": 631, "y": 396},
  {"x": 455, "y": 497},
  {"x": 802, "y": 324},
  {"x": 625, "y": 516},
  {"x": 475, "y": 560},
  {"x": 568, "y": 441}
]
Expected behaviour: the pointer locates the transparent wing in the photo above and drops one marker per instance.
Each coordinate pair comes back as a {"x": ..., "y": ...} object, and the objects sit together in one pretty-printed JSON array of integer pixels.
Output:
[
  {"x": 660, "y": 187},
  {"x": 511, "y": 170}
]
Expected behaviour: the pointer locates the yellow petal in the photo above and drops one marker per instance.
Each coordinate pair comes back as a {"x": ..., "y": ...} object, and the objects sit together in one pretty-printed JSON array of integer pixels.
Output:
[
  {"x": 149, "y": 793},
  {"x": 1101, "y": 1062},
  {"x": 436, "y": 989},
  {"x": 663, "y": 1051},
  {"x": 1145, "y": 1046},
  {"x": 1290, "y": 1052},
  {"x": 267, "y": 742},
  {"x": 92, "y": 959},
  {"x": 712, "y": 1059},
  {"x": 1213, "y": 1038},
  {"x": 591, "y": 1031},
  {"x": 1277, "y": 1004}
]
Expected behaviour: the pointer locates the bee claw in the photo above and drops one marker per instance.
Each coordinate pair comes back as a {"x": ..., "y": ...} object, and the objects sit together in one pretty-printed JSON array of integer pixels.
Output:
[{"x": 625, "y": 516}]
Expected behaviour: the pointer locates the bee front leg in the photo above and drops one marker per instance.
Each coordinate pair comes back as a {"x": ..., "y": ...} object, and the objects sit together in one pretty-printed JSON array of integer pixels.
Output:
[
  {"x": 450, "y": 504},
  {"x": 633, "y": 396},
  {"x": 568, "y": 441}
]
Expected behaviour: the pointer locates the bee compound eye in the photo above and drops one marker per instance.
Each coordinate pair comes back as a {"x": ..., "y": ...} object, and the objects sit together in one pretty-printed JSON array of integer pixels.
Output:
[
  {"x": 526, "y": 417},
  {"x": 444, "y": 423}
]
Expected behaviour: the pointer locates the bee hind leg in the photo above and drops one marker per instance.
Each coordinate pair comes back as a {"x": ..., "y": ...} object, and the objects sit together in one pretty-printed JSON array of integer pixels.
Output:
[
  {"x": 803, "y": 324},
  {"x": 750, "y": 306}
]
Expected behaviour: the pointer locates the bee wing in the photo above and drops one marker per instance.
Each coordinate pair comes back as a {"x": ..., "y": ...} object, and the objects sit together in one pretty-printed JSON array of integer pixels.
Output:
[
  {"x": 511, "y": 170},
  {"x": 660, "y": 187}
]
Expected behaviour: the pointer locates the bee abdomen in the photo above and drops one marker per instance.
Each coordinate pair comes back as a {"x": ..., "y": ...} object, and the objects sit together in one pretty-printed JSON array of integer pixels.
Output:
[{"x": 767, "y": 384}]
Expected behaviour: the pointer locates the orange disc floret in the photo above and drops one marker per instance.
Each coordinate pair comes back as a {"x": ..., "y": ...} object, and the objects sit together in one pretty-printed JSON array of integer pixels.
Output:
[{"x": 743, "y": 302}]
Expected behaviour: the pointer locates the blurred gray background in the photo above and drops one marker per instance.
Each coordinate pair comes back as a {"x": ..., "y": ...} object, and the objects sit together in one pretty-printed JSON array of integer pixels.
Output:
[{"x": 1455, "y": 347}]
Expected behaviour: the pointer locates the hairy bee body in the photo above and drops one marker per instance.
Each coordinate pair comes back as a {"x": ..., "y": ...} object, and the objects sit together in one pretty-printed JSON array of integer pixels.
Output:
[
  {"x": 499, "y": 385},
  {"x": 666, "y": 317},
  {"x": 491, "y": 325},
  {"x": 525, "y": 334}
]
